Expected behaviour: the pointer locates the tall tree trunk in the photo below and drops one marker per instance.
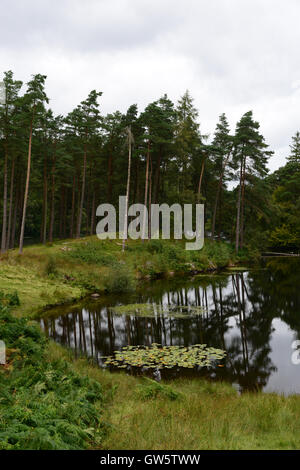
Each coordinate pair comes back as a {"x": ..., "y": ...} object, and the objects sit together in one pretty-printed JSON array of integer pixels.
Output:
[
  {"x": 65, "y": 213},
  {"x": 218, "y": 194},
  {"x": 73, "y": 208},
  {"x": 216, "y": 207},
  {"x": 220, "y": 213},
  {"x": 150, "y": 199},
  {"x": 136, "y": 195},
  {"x": 157, "y": 177},
  {"x": 237, "y": 232},
  {"x": 44, "y": 234},
  {"x": 61, "y": 211},
  {"x": 4, "y": 223},
  {"x": 200, "y": 179},
  {"x": 26, "y": 187},
  {"x": 88, "y": 202},
  {"x": 92, "y": 229},
  {"x": 146, "y": 192},
  {"x": 14, "y": 223},
  {"x": 243, "y": 204},
  {"x": 11, "y": 197},
  {"x": 125, "y": 234},
  {"x": 52, "y": 210},
  {"x": 109, "y": 176},
  {"x": 82, "y": 195}
]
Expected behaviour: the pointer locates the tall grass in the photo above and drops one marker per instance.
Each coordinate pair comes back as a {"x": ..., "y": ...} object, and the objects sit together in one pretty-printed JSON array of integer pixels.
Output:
[{"x": 205, "y": 416}]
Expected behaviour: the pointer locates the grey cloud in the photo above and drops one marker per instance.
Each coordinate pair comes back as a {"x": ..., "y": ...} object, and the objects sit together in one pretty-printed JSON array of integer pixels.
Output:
[
  {"x": 232, "y": 55},
  {"x": 73, "y": 25}
]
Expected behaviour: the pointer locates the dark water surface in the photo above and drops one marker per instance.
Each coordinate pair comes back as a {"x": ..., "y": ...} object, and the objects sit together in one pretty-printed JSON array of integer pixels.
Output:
[{"x": 254, "y": 315}]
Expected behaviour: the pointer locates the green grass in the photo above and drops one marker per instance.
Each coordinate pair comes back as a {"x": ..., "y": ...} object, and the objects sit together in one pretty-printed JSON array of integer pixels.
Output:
[
  {"x": 189, "y": 414},
  {"x": 35, "y": 291},
  {"x": 202, "y": 416}
]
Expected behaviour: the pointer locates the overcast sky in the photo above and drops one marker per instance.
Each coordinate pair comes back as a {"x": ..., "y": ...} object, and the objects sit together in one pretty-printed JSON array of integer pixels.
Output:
[{"x": 232, "y": 55}]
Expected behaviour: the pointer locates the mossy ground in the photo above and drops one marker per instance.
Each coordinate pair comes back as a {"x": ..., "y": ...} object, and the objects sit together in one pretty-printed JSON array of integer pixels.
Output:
[{"x": 35, "y": 290}]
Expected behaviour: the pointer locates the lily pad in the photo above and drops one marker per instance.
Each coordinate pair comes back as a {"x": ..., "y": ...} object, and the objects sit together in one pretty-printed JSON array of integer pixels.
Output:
[
  {"x": 153, "y": 310},
  {"x": 158, "y": 357}
]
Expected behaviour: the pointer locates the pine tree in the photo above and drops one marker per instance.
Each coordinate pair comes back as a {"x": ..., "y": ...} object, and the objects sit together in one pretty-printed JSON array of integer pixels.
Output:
[
  {"x": 222, "y": 147},
  {"x": 9, "y": 124},
  {"x": 33, "y": 100},
  {"x": 294, "y": 156},
  {"x": 251, "y": 156},
  {"x": 187, "y": 140},
  {"x": 130, "y": 141},
  {"x": 55, "y": 130},
  {"x": 113, "y": 126},
  {"x": 84, "y": 123}
]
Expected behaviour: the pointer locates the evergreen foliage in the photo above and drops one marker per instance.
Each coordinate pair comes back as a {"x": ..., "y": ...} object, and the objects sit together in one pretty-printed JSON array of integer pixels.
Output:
[{"x": 56, "y": 170}]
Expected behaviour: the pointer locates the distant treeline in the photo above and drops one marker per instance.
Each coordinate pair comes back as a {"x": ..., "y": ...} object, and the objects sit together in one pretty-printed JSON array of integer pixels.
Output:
[{"x": 55, "y": 170}]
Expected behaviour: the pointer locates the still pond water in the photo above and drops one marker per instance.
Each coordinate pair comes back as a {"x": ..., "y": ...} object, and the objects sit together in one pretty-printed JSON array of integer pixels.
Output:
[{"x": 254, "y": 315}]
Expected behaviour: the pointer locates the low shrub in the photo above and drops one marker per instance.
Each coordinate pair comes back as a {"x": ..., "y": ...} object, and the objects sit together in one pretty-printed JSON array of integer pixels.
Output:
[
  {"x": 93, "y": 253},
  {"x": 218, "y": 253},
  {"x": 166, "y": 256},
  {"x": 9, "y": 299},
  {"x": 119, "y": 279},
  {"x": 44, "y": 405}
]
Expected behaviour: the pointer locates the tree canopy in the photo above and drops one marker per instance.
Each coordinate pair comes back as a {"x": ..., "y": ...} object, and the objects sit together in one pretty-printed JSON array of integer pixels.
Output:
[{"x": 55, "y": 170}]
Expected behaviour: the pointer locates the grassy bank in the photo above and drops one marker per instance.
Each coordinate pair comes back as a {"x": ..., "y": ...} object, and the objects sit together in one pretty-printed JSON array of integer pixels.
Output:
[
  {"x": 204, "y": 416},
  {"x": 67, "y": 270},
  {"x": 189, "y": 414}
]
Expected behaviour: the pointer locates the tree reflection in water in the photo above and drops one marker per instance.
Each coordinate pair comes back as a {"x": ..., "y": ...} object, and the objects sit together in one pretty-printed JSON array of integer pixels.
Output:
[{"x": 238, "y": 314}]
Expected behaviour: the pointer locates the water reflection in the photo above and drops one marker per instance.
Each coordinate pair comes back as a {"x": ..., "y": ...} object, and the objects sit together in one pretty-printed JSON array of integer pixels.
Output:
[{"x": 253, "y": 315}]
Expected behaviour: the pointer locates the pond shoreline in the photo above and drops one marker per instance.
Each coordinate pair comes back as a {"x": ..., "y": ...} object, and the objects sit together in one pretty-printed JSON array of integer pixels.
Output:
[
  {"x": 66, "y": 271},
  {"x": 130, "y": 402},
  {"x": 221, "y": 310},
  {"x": 96, "y": 295}
]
